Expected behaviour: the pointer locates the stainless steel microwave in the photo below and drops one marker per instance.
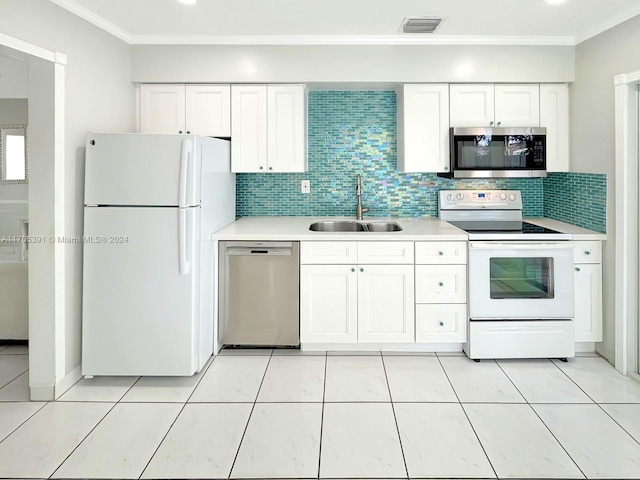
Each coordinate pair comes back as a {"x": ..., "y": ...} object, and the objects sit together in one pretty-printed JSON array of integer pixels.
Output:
[{"x": 498, "y": 152}]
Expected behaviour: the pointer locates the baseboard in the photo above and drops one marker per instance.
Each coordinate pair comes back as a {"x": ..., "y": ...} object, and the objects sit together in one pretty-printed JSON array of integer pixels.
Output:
[
  {"x": 67, "y": 382},
  {"x": 608, "y": 355},
  {"x": 585, "y": 347},
  {"x": 385, "y": 347}
]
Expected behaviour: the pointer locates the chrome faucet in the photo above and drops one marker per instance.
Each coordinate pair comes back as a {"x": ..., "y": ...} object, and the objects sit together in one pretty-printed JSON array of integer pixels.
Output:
[{"x": 360, "y": 210}]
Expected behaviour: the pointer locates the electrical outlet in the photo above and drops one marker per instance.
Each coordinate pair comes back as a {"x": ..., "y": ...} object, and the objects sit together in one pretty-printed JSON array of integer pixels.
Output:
[{"x": 305, "y": 186}]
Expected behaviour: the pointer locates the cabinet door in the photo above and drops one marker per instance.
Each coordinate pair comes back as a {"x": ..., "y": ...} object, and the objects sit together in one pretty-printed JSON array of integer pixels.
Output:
[
  {"x": 328, "y": 304},
  {"x": 471, "y": 105},
  {"x": 208, "y": 110},
  {"x": 517, "y": 105},
  {"x": 287, "y": 128},
  {"x": 423, "y": 128},
  {"x": 441, "y": 283},
  {"x": 386, "y": 304},
  {"x": 249, "y": 128},
  {"x": 587, "y": 281},
  {"x": 554, "y": 115},
  {"x": 162, "y": 109}
]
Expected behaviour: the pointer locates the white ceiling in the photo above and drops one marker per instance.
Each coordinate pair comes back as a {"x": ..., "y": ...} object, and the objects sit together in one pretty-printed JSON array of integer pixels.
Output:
[{"x": 352, "y": 21}]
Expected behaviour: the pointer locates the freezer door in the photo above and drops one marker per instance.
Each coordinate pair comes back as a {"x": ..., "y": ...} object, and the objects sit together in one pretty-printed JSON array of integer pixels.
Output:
[
  {"x": 142, "y": 169},
  {"x": 141, "y": 297}
]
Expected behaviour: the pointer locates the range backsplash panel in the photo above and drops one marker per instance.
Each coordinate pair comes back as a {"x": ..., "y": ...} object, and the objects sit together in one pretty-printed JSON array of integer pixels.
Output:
[{"x": 351, "y": 133}]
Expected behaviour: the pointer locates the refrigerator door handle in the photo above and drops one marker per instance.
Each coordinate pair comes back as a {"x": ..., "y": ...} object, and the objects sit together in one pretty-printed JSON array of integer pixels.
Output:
[
  {"x": 185, "y": 161},
  {"x": 185, "y": 242}
]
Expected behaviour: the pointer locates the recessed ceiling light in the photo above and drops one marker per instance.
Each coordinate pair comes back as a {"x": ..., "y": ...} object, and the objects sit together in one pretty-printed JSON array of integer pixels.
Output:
[
  {"x": 554, "y": 2},
  {"x": 188, "y": 2}
]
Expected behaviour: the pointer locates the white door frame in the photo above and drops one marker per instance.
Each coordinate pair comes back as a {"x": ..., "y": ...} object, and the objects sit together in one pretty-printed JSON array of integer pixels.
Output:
[
  {"x": 47, "y": 280},
  {"x": 626, "y": 181}
]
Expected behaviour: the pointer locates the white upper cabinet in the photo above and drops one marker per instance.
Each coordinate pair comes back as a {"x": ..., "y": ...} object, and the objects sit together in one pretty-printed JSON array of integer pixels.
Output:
[
  {"x": 268, "y": 128},
  {"x": 192, "y": 109},
  {"x": 249, "y": 128},
  {"x": 423, "y": 128},
  {"x": 208, "y": 110},
  {"x": 162, "y": 109},
  {"x": 489, "y": 105},
  {"x": 554, "y": 115}
]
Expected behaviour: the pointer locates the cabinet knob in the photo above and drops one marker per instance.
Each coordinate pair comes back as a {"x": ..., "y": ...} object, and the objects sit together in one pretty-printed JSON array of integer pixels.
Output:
[
  {"x": 261, "y": 167},
  {"x": 441, "y": 324},
  {"x": 577, "y": 269},
  {"x": 179, "y": 131},
  {"x": 353, "y": 269},
  {"x": 362, "y": 269},
  {"x": 499, "y": 123},
  {"x": 188, "y": 132},
  {"x": 587, "y": 252},
  {"x": 446, "y": 169},
  {"x": 491, "y": 124},
  {"x": 441, "y": 253},
  {"x": 441, "y": 284},
  {"x": 270, "y": 168}
]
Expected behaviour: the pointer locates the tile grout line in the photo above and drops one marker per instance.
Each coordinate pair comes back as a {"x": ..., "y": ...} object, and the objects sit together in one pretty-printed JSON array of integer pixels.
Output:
[
  {"x": 253, "y": 406},
  {"x": 540, "y": 418},
  {"x": 184, "y": 405},
  {"x": 324, "y": 389},
  {"x": 13, "y": 379},
  {"x": 395, "y": 418},
  {"x": 25, "y": 421},
  {"x": 444, "y": 370}
]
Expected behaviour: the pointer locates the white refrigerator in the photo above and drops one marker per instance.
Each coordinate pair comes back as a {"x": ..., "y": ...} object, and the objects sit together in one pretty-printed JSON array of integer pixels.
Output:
[{"x": 151, "y": 205}]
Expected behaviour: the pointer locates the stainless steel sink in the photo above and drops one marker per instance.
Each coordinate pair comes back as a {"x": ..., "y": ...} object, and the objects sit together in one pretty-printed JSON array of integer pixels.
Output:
[
  {"x": 337, "y": 226},
  {"x": 383, "y": 227},
  {"x": 354, "y": 226}
]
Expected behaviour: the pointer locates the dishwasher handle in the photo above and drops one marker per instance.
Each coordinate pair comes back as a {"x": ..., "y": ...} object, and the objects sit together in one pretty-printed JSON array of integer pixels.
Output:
[{"x": 259, "y": 251}]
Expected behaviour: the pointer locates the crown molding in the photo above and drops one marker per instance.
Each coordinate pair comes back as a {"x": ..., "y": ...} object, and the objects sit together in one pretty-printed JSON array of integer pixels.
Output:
[
  {"x": 96, "y": 20},
  {"x": 617, "y": 20},
  {"x": 348, "y": 40}
]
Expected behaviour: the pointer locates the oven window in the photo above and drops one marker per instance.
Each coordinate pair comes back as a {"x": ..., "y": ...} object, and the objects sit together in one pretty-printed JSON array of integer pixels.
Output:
[{"x": 521, "y": 277}]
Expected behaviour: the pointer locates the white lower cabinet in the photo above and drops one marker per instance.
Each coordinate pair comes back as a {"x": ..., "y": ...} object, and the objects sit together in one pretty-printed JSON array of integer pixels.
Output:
[
  {"x": 587, "y": 284},
  {"x": 441, "y": 292},
  {"x": 356, "y": 303}
]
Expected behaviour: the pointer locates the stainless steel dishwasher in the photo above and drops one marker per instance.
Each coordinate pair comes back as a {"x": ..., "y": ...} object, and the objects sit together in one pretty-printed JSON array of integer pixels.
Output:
[{"x": 259, "y": 291}]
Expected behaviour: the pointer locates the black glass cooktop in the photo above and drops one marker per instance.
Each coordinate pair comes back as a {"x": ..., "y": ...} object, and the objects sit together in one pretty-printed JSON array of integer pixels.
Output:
[{"x": 524, "y": 228}]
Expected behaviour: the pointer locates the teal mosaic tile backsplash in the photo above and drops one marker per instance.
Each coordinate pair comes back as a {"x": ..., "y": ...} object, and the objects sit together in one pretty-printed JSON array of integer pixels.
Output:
[
  {"x": 577, "y": 198},
  {"x": 354, "y": 132},
  {"x": 350, "y": 133}
]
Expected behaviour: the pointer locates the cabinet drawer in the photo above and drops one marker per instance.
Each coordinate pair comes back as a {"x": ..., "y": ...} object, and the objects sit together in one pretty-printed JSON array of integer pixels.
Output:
[
  {"x": 385, "y": 252},
  {"x": 328, "y": 252},
  {"x": 441, "y": 283},
  {"x": 587, "y": 252},
  {"x": 441, "y": 323},
  {"x": 441, "y": 252}
]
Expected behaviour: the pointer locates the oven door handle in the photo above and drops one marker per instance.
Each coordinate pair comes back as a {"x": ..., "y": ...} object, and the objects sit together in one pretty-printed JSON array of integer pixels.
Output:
[{"x": 520, "y": 246}]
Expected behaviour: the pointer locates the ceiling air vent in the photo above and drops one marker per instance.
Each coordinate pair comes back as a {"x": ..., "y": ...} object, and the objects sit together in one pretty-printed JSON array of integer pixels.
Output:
[{"x": 420, "y": 24}]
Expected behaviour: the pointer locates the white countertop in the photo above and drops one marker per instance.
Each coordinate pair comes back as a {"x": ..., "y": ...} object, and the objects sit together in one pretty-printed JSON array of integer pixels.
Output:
[{"x": 297, "y": 228}]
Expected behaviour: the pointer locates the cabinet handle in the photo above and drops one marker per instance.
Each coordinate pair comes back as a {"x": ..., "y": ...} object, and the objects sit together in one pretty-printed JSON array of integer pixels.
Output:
[
  {"x": 441, "y": 253},
  {"x": 441, "y": 284},
  {"x": 441, "y": 324},
  {"x": 362, "y": 269},
  {"x": 577, "y": 269},
  {"x": 587, "y": 252}
]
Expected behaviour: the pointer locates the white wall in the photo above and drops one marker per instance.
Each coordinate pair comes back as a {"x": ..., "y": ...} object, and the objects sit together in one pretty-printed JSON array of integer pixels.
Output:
[
  {"x": 390, "y": 63},
  {"x": 598, "y": 60},
  {"x": 13, "y": 78},
  {"x": 99, "y": 96}
]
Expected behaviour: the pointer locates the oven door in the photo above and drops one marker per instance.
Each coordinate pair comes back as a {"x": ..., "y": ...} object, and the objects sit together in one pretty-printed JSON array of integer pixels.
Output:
[{"x": 520, "y": 280}]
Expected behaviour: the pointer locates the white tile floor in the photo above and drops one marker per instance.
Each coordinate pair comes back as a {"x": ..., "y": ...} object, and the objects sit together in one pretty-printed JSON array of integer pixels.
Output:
[{"x": 279, "y": 414}]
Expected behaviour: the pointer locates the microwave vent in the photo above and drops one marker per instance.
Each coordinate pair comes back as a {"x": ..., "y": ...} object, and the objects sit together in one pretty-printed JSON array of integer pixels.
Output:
[{"x": 420, "y": 24}]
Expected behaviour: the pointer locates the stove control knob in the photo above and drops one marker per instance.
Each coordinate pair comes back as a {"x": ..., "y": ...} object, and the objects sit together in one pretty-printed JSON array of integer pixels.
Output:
[
  {"x": 450, "y": 197},
  {"x": 503, "y": 196},
  {"x": 512, "y": 197},
  {"x": 460, "y": 196}
]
